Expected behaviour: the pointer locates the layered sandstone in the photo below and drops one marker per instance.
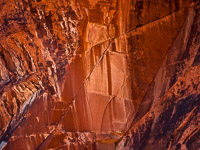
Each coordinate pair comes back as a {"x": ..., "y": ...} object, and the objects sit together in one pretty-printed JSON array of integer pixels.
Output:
[{"x": 99, "y": 74}]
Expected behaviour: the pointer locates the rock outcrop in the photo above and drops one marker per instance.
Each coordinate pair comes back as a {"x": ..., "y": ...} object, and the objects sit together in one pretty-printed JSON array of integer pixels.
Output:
[{"x": 91, "y": 74}]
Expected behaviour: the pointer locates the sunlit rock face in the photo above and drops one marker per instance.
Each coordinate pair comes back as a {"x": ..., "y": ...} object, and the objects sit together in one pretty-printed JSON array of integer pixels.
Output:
[{"x": 91, "y": 74}]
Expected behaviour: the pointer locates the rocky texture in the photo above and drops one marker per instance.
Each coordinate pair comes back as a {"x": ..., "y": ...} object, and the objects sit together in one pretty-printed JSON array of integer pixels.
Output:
[
  {"x": 99, "y": 74},
  {"x": 36, "y": 44},
  {"x": 169, "y": 114}
]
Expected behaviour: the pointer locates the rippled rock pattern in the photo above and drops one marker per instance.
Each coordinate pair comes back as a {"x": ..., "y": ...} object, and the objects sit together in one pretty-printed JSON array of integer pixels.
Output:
[{"x": 99, "y": 74}]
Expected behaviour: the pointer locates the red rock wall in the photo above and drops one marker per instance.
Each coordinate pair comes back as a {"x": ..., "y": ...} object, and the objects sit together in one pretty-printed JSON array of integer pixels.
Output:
[{"x": 98, "y": 74}]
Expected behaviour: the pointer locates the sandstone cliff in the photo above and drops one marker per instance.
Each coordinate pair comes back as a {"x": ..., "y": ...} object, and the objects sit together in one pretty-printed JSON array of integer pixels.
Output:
[{"x": 99, "y": 74}]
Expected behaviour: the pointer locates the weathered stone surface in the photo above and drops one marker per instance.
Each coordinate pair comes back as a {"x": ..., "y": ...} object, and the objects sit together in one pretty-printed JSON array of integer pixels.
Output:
[
  {"x": 170, "y": 119},
  {"x": 91, "y": 74}
]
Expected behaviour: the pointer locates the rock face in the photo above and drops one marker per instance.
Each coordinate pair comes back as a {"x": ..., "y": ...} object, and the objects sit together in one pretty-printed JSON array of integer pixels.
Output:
[{"x": 91, "y": 74}]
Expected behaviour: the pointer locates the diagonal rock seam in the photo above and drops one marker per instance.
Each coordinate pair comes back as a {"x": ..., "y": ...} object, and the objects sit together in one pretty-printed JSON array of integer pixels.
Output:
[
  {"x": 133, "y": 121},
  {"x": 99, "y": 62},
  {"x": 170, "y": 91},
  {"x": 95, "y": 67},
  {"x": 134, "y": 29},
  {"x": 66, "y": 109}
]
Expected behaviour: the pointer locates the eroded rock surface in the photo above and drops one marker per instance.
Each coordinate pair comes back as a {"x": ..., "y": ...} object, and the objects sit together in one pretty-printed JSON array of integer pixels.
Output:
[{"x": 93, "y": 74}]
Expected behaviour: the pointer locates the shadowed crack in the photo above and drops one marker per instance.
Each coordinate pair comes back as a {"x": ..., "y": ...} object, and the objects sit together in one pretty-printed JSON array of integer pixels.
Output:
[
  {"x": 111, "y": 99},
  {"x": 71, "y": 103},
  {"x": 134, "y": 29}
]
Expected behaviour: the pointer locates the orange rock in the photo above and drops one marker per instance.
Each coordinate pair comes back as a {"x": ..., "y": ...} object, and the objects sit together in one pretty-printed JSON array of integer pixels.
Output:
[{"x": 93, "y": 74}]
